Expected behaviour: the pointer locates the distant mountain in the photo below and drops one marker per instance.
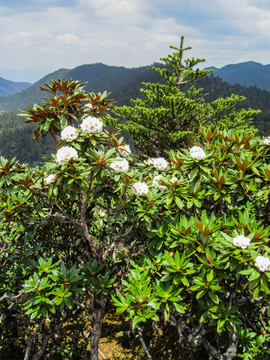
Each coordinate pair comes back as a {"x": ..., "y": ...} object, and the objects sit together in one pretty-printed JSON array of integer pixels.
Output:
[
  {"x": 123, "y": 83},
  {"x": 248, "y": 73},
  {"x": 8, "y": 87}
]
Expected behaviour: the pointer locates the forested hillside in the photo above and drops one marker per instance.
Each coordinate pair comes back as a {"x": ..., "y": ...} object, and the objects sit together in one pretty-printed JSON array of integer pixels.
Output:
[
  {"x": 124, "y": 84},
  {"x": 256, "y": 98}
]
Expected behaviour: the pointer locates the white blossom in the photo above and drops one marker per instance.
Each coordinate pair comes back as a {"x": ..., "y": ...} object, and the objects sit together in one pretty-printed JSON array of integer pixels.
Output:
[
  {"x": 124, "y": 150},
  {"x": 120, "y": 165},
  {"x": 160, "y": 163},
  {"x": 91, "y": 125},
  {"x": 262, "y": 263},
  {"x": 241, "y": 241},
  {"x": 174, "y": 180},
  {"x": 88, "y": 107},
  {"x": 50, "y": 179},
  {"x": 197, "y": 153},
  {"x": 156, "y": 183},
  {"x": 69, "y": 134},
  {"x": 150, "y": 162},
  {"x": 140, "y": 188},
  {"x": 102, "y": 215},
  {"x": 65, "y": 154},
  {"x": 267, "y": 141}
]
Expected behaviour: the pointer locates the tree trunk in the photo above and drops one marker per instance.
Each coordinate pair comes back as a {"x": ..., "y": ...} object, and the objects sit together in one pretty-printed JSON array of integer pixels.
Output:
[{"x": 99, "y": 309}]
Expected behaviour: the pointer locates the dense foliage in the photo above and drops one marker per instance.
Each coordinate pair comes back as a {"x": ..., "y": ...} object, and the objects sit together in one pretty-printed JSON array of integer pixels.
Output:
[
  {"x": 16, "y": 141},
  {"x": 177, "y": 243}
]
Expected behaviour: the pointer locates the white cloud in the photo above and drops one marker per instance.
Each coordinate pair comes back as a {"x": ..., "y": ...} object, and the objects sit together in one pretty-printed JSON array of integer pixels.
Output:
[
  {"x": 45, "y": 35},
  {"x": 68, "y": 39}
]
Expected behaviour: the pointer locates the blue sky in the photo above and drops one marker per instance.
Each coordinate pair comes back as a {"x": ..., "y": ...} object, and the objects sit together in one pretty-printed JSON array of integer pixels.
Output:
[{"x": 41, "y": 36}]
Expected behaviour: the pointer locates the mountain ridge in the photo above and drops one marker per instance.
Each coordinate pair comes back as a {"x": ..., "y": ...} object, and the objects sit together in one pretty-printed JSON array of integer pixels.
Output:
[
  {"x": 120, "y": 81},
  {"x": 249, "y": 73},
  {"x": 9, "y": 87},
  {"x": 101, "y": 77}
]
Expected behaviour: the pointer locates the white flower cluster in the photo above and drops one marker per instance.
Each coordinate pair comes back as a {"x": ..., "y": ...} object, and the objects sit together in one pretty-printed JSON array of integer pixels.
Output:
[
  {"x": 91, "y": 125},
  {"x": 69, "y": 134},
  {"x": 88, "y": 107},
  {"x": 50, "y": 179},
  {"x": 267, "y": 141},
  {"x": 120, "y": 165},
  {"x": 150, "y": 162},
  {"x": 156, "y": 183},
  {"x": 65, "y": 154},
  {"x": 160, "y": 163},
  {"x": 262, "y": 263},
  {"x": 241, "y": 241},
  {"x": 197, "y": 153},
  {"x": 140, "y": 188},
  {"x": 124, "y": 150},
  {"x": 174, "y": 180}
]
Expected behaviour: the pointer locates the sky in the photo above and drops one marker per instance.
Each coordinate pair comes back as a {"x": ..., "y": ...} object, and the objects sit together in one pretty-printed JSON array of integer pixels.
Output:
[{"x": 38, "y": 37}]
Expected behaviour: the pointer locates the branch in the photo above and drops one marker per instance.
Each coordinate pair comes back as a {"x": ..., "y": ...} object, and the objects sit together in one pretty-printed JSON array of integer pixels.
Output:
[
  {"x": 229, "y": 354},
  {"x": 30, "y": 341},
  {"x": 212, "y": 351},
  {"x": 84, "y": 227},
  {"x": 62, "y": 211},
  {"x": 143, "y": 344},
  {"x": 114, "y": 239},
  {"x": 120, "y": 236},
  {"x": 232, "y": 349},
  {"x": 49, "y": 335},
  {"x": 16, "y": 297}
]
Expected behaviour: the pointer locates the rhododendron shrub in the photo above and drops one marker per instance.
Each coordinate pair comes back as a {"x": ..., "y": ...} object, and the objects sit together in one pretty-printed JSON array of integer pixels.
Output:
[
  {"x": 205, "y": 269},
  {"x": 64, "y": 229},
  {"x": 177, "y": 244}
]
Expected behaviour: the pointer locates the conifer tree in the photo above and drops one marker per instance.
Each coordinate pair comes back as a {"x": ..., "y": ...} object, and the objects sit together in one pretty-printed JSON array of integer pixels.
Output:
[{"x": 171, "y": 112}]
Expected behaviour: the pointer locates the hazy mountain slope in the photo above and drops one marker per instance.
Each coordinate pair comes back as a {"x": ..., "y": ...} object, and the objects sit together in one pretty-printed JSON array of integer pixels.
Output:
[
  {"x": 8, "y": 87},
  {"x": 29, "y": 96},
  {"x": 248, "y": 73}
]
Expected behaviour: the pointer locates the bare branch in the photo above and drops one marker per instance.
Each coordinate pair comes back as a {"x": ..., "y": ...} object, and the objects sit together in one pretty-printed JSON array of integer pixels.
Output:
[
  {"x": 16, "y": 297},
  {"x": 30, "y": 341},
  {"x": 143, "y": 344}
]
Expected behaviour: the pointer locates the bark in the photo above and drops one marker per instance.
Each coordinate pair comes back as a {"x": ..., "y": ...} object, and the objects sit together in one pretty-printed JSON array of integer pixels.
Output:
[
  {"x": 143, "y": 344},
  {"x": 99, "y": 310}
]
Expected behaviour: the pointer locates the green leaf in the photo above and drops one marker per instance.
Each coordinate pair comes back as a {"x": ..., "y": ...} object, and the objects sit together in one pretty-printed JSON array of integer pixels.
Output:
[
  {"x": 179, "y": 308},
  {"x": 179, "y": 202},
  {"x": 204, "y": 316},
  {"x": 254, "y": 275},
  {"x": 185, "y": 281},
  {"x": 256, "y": 292},
  {"x": 193, "y": 173},
  {"x": 220, "y": 325},
  {"x": 214, "y": 297},
  {"x": 252, "y": 284},
  {"x": 210, "y": 276}
]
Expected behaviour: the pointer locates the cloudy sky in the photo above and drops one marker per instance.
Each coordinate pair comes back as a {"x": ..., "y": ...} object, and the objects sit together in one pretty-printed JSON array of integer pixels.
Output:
[{"x": 40, "y": 36}]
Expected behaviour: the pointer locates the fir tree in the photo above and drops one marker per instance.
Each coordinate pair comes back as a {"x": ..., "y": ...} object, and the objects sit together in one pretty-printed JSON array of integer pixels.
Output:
[{"x": 171, "y": 112}]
